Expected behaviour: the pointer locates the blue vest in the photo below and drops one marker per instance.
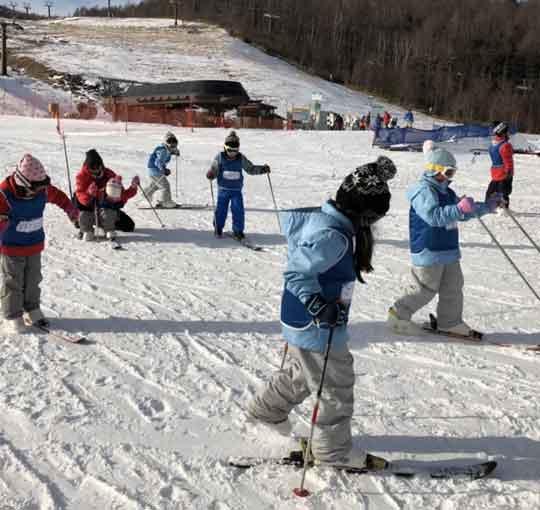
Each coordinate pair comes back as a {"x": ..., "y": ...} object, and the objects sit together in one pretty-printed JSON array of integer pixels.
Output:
[
  {"x": 495, "y": 154},
  {"x": 25, "y": 220},
  {"x": 230, "y": 175},
  {"x": 152, "y": 159},
  {"x": 332, "y": 282},
  {"x": 422, "y": 235}
]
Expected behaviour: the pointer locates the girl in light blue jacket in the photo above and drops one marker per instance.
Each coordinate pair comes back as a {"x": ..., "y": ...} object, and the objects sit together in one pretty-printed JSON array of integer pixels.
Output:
[
  {"x": 434, "y": 243},
  {"x": 328, "y": 249}
]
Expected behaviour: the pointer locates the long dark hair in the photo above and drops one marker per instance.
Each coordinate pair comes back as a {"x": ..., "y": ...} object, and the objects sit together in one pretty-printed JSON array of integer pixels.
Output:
[{"x": 363, "y": 251}]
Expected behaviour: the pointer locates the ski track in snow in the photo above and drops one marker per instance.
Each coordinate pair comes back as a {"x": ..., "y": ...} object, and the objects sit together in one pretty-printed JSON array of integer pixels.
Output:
[{"x": 182, "y": 328}]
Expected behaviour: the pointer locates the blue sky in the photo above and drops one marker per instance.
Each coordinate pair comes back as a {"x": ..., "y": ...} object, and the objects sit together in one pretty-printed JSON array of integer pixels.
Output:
[{"x": 62, "y": 7}]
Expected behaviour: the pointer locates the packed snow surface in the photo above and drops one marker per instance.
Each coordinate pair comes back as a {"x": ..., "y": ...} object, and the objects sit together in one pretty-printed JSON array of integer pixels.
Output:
[{"x": 182, "y": 329}]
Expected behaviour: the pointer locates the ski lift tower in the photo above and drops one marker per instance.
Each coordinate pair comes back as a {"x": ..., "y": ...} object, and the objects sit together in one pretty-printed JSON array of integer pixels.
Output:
[
  {"x": 48, "y": 4},
  {"x": 5, "y": 25}
]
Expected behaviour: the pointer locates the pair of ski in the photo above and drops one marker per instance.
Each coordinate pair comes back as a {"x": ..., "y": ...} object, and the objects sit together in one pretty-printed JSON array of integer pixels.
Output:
[
  {"x": 474, "y": 337},
  {"x": 403, "y": 469},
  {"x": 66, "y": 337},
  {"x": 193, "y": 207},
  {"x": 244, "y": 242}
]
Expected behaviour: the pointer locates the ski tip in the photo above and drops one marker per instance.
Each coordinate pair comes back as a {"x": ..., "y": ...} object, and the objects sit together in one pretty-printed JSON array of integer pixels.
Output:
[
  {"x": 301, "y": 492},
  {"x": 489, "y": 467}
]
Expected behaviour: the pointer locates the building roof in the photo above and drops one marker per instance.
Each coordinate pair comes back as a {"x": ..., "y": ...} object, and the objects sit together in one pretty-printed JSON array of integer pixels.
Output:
[{"x": 197, "y": 88}]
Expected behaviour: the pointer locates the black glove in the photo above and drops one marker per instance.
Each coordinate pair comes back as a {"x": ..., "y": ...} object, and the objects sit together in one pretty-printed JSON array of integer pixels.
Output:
[
  {"x": 166, "y": 172},
  {"x": 266, "y": 169},
  {"x": 326, "y": 315}
]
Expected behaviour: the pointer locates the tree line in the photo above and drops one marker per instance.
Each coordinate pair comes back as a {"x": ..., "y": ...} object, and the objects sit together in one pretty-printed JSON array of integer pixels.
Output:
[{"x": 463, "y": 60}]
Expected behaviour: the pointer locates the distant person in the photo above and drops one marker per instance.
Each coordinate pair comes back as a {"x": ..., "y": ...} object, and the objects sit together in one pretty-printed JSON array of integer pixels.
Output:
[
  {"x": 408, "y": 118},
  {"x": 378, "y": 122},
  {"x": 23, "y": 196},
  {"x": 158, "y": 171},
  {"x": 99, "y": 194},
  {"x": 501, "y": 153},
  {"x": 227, "y": 168},
  {"x": 393, "y": 122},
  {"x": 368, "y": 120},
  {"x": 386, "y": 119}
]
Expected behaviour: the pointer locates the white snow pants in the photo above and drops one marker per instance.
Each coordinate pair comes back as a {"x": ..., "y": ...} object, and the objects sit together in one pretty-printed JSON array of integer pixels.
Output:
[
  {"x": 291, "y": 386},
  {"x": 446, "y": 280},
  {"x": 161, "y": 184}
]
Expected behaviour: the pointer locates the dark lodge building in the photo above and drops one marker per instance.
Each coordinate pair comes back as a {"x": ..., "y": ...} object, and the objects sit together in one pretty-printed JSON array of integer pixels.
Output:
[{"x": 200, "y": 103}]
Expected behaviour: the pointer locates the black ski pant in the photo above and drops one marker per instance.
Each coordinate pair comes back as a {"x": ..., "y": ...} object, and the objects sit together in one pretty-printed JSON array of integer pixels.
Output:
[{"x": 504, "y": 187}]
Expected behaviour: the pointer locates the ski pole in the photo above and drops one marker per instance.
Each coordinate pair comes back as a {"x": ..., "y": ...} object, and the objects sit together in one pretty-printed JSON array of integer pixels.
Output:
[
  {"x": 508, "y": 257},
  {"x": 150, "y": 203},
  {"x": 213, "y": 206},
  {"x": 274, "y": 199},
  {"x": 96, "y": 219},
  {"x": 301, "y": 491},
  {"x": 285, "y": 350},
  {"x": 176, "y": 161},
  {"x": 67, "y": 165},
  {"x": 525, "y": 233}
]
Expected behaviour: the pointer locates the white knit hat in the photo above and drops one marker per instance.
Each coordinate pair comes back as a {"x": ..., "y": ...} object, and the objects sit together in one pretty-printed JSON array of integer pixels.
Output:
[{"x": 437, "y": 158}]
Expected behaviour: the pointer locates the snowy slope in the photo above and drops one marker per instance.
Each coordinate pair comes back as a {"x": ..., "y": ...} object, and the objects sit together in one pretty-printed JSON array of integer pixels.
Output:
[{"x": 183, "y": 328}]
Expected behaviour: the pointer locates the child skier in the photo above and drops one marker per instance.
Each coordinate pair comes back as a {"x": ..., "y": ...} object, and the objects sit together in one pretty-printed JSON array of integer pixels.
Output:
[
  {"x": 434, "y": 243},
  {"x": 99, "y": 194},
  {"x": 328, "y": 248},
  {"x": 501, "y": 153},
  {"x": 23, "y": 196},
  {"x": 409, "y": 119},
  {"x": 158, "y": 171},
  {"x": 227, "y": 168}
]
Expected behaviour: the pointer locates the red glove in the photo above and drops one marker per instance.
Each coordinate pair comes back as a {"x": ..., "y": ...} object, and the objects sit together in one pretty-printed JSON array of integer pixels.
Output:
[
  {"x": 73, "y": 214},
  {"x": 210, "y": 175},
  {"x": 92, "y": 190},
  {"x": 135, "y": 182}
]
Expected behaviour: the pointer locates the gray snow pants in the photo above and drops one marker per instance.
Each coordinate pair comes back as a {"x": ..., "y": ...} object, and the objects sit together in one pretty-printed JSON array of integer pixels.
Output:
[
  {"x": 159, "y": 183},
  {"x": 20, "y": 290},
  {"x": 291, "y": 386},
  {"x": 426, "y": 282},
  {"x": 107, "y": 220}
]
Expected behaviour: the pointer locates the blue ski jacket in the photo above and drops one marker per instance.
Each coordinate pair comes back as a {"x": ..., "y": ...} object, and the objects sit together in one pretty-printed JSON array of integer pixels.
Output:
[
  {"x": 158, "y": 160},
  {"x": 320, "y": 261},
  {"x": 433, "y": 217}
]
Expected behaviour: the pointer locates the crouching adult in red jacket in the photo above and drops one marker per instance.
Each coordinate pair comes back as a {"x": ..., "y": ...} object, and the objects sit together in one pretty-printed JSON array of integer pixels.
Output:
[
  {"x": 100, "y": 196},
  {"x": 23, "y": 196}
]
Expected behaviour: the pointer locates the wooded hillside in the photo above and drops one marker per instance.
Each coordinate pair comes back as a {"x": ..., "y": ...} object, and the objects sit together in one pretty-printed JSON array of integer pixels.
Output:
[{"x": 463, "y": 60}]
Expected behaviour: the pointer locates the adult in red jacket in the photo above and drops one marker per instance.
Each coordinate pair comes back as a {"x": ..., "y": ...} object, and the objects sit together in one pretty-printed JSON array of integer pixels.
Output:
[
  {"x": 386, "y": 119},
  {"x": 502, "y": 163},
  {"x": 23, "y": 196},
  {"x": 99, "y": 194}
]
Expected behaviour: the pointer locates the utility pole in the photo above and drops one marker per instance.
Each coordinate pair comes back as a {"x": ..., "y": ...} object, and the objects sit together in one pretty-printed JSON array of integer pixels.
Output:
[
  {"x": 5, "y": 24},
  {"x": 175, "y": 3},
  {"x": 27, "y": 6},
  {"x": 109, "y": 9},
  {"x": 13, "y": 5},
  {"x": 49, "y": 4}
]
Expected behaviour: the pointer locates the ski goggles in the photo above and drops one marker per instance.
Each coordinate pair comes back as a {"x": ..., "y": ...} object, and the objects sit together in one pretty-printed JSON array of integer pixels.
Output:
[
  {"x": 32, "y": 186},
  {"x": 447, "y": 171},
  {"x": 231, "y": 149}
]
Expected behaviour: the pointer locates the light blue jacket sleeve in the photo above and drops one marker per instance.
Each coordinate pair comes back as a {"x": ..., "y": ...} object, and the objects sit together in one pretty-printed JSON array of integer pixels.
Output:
[
  {"x": 426, "y": 204},
  {"x": 313, "y": 256},
  {"x": 163, "y": 157}
]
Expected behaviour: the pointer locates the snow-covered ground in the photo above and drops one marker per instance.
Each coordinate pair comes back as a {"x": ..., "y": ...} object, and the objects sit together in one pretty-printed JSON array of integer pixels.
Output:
[{"x": 182, "y": 328}]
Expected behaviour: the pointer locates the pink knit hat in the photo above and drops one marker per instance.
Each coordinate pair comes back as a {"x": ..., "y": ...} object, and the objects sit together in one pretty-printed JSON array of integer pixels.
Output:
[{"x": 29, "y": 170}]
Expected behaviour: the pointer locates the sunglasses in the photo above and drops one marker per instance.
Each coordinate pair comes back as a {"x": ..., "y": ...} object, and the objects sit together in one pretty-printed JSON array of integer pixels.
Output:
[{"x": 232, "y": 150}]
